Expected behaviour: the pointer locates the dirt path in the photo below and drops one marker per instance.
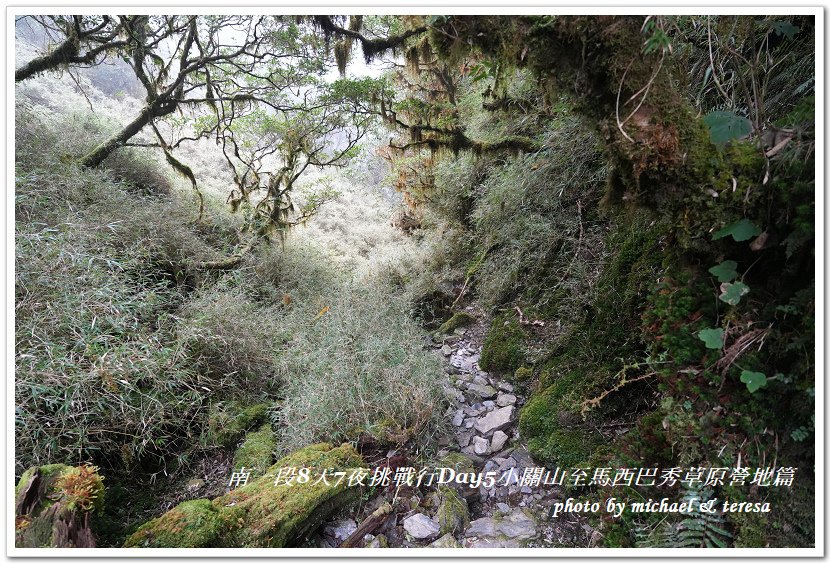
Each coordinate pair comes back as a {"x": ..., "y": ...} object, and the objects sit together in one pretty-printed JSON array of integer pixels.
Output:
[{"x": 513, "y": 513}]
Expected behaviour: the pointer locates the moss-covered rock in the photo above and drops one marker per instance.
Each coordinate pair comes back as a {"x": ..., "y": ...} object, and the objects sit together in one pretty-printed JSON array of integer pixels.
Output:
[
  {"x": 228, "y": 421},
  {"x": 503, "y": 348},
  {"x": 53, "y": 504},
  {"x": 257, "y": 451},
  {"x": 458, "y": 320},
  {"x": 522, "y": 375},
  {"x": 261, "y": 513},
  {"x": 453, "y": 513}
]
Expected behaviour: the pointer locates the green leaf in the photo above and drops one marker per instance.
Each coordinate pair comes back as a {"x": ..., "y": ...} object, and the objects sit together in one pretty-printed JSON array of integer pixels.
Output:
[
  {"x": 712, "y": 337},
  {"x": 725, "y": 271},
  {"x": 732, "y": 292},
  {"x": 800, "y": 434},
  {"x": 785, "y": 28},
  {"x": 754, "y": 380},
  {"x": 725, "y": 126},
  {"x": 740, "y": 231}
]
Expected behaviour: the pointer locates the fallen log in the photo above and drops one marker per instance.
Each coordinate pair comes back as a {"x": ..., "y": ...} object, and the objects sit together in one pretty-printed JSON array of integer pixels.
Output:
[{"x": 369, "y": 525}]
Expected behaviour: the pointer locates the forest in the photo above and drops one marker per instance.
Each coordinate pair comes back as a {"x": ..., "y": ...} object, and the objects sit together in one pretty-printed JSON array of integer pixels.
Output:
[{"x": 415, "y": 281}]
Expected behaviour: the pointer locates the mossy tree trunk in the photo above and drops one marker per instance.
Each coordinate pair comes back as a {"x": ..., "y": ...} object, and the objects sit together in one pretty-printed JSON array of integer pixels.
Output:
[
  {"x": 151, "y": 111},
  {"x": 656, "y": 143}
]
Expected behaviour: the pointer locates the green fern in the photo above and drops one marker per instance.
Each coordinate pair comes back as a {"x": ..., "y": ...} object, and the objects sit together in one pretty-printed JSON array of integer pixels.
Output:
[{"x": 698, "y": 529}]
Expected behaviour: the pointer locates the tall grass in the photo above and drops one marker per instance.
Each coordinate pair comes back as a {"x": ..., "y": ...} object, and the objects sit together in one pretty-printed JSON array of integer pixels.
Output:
[
  {"x": 352, "y": 362},
  {"x": 119, "y": 356}
]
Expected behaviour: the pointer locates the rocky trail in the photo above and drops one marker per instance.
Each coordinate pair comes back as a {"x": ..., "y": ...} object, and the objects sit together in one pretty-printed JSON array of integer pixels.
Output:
[{"x": 485, "y": 438}]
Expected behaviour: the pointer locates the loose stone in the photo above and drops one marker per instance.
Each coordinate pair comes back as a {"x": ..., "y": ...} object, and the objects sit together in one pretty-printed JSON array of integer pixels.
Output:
[
  {"x": 499, "y": 440},
  {"x": 421, "y": 526}
]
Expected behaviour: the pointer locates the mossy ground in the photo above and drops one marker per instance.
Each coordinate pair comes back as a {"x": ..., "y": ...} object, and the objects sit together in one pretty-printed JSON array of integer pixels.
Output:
[
  {"x": 503, "y": 347},
  {"x": 228, "y": 421}
]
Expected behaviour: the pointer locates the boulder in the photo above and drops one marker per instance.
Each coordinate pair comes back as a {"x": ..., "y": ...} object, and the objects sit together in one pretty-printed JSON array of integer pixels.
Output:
[
  {"x": 517, "y": 525},
  {"x": 483, "y": 527},
  {"x": 260, "y": 513},
  {"x": 377, "y": 542}
]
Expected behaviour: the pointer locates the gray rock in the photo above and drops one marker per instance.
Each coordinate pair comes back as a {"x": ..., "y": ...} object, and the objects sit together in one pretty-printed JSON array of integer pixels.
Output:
[
  {"x": 480, "y": 379},
  {"x": 340, "y": 529},
  {"x": 483, "y": 527},
  {"x": 464, "y": 376},
  {"x": 526, "y": 490},
  {"x": 509, "y": 477},
  {"x": 469, "y": 423},
  {"x": 523, "y": 458},
  {"x": 480, "y": 445},
  {"x": 483, "y": 391},
  {"x": 421, "y": 527},
  {"x": 472, "y": 410},
  {"x": 463, "y": 439},
  {"x": 495, "y": 420},
  {"x": 517, "y": 525},
  {"x": 505, "y": 386},
  {"x": 490, "y": 466},
  {"x": 503, "y": 507},
  {"x": 492, "y": 543},
  {"x": 490, "y": 404},
  {"x": 499, "y": 440},
  {"x": 469, "y": 450},
  {"x": 506, "y": 399},
  {"x": 446, "y": 349},
  {"x": 445, "y": 541},
  {"x": 455, "y": 394},
  {"x": 458, "y": 418},
  {"x": 463, "y": 364}
]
